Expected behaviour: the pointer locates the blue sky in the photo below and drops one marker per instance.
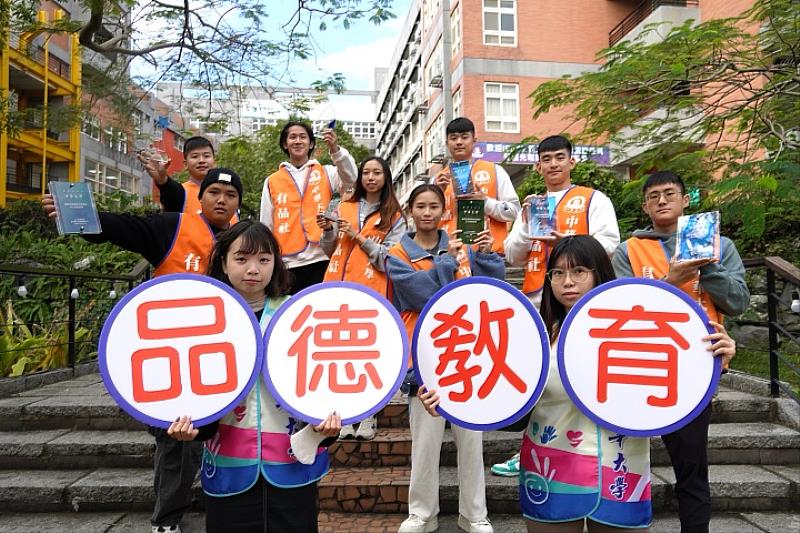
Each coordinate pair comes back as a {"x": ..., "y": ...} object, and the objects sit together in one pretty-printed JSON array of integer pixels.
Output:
[{"x": 354, "y": 52}]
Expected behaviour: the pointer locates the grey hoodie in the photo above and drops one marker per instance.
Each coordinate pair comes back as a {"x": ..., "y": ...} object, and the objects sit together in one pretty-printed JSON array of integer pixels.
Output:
[{"x": 722, "y": 281}]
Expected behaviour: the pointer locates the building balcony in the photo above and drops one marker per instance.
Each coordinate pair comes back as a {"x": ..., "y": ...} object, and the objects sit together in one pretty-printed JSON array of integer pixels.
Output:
[
  {"x": 29, "y": 67},
  {"x": 661, "y": 128},
  {"x": 652, "y": 12}
]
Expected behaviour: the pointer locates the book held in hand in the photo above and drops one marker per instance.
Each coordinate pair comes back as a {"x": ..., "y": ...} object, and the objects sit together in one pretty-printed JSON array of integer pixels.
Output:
[
  {"x": 75, "y": 208},
  {"x": 471, "y": 219},
  {"x": 697, "y": 237},
  {"x": 539, "y": 222},
  {"x": 461, "y": 173}
]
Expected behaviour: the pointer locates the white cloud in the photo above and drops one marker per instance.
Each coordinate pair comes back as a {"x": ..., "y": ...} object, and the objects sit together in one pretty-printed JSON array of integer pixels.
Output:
[{"x": 357, "y": 63}]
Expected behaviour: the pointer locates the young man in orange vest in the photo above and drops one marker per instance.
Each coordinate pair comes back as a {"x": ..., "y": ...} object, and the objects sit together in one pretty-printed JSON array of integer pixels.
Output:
[
  {"x": 297, "y": 192},
  {"x": 490, "y": 182},
  {"x": 719, "y": 287},
  {"x": 173, "y": 243},
  {"x": 574, "y": 210}
]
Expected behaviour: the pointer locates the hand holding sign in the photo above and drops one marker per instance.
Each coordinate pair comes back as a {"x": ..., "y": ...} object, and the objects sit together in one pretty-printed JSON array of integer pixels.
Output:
[
  {"x": 633, "y": 357},
  {"x": 482, "y": 346},
  {"x": 180, "y": 345},
  {"x": 335, "y": 346}
]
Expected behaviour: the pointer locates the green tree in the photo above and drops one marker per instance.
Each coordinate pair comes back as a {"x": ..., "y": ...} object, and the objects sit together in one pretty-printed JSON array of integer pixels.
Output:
[
  {"x": 254, "y": 158},
  {"x": 205, "y": 44},
  {"x": 718, "y": 102}
]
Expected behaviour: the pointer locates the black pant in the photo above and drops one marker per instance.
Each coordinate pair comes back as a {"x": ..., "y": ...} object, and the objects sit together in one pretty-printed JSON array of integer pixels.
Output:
[
  {"x": 688, "y": 453},
  {"x": 307, "y": 275},
  {"x": 264, "y": 508},
  {"x": 175, "y": 466}
]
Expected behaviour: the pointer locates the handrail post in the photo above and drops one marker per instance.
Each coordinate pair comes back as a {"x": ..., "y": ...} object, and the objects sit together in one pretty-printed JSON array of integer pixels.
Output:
[
  {"x": 772, "y": 315},
  {"x": 71, "y": 325}
]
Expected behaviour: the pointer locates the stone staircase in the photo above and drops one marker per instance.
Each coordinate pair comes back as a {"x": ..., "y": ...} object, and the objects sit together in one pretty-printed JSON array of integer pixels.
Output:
[{"x": 67, "y": 450}]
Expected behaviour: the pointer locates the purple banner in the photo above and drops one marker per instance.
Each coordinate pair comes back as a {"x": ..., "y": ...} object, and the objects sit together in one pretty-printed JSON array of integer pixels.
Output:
[{"x": 497, "y": 153}]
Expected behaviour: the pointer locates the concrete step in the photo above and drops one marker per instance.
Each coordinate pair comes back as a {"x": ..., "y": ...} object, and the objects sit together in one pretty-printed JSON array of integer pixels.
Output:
[
  {"x": 83, "y": 403},
  {"x": 194, "y": 522},
  {"x": 745, "y": 443}
]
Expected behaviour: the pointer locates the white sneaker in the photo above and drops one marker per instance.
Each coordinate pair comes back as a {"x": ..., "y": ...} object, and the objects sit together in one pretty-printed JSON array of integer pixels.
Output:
[
  {"x": 481, "y": 526},
  {"x": 347, "y": 432},
  {"x": 166, "y": 529},
  {"x": 415, "y": 524},
  {"x": 367, "y": 428}
]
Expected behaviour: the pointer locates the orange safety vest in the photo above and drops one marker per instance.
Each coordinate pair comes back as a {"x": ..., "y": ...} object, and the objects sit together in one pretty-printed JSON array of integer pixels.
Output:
[
  {"x": 294, "y": 215},
  {"x": 426, "y": 263},
  {"x": 191, "y": 203},
  {"x": 191, "y": 247},
  {"x": 649, "y": 260},
  {"x": 572, "y": 218},
  {"x": 484, "y": 178},
  {"x": 348, "y": 261}
]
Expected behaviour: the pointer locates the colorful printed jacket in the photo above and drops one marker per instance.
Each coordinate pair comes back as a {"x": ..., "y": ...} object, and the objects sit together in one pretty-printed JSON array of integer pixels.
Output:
[
  {"x": 571, "y": 468},
  {"x": 231, "y": 462}
]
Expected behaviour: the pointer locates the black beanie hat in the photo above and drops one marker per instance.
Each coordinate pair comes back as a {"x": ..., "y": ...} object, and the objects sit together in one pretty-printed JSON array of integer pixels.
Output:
[{"x": 222, "y": 175}]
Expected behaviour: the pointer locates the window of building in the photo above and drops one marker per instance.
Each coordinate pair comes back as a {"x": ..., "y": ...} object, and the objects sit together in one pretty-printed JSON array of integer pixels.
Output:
[
  {"x": 109, "y": 136},
  {"x": 178, "y": 141},
  {"x": 260, "y": 123},
  {"x": 455, "y": 31},
  {"x": 91, "y": 127},
  {"x": 435, "y": 139},
  {"x": 122, "y": 142},
  {"x": 501, "y": 107},
  {"x": 500, "y": 22},
  {"x": 457, "y": 103}
]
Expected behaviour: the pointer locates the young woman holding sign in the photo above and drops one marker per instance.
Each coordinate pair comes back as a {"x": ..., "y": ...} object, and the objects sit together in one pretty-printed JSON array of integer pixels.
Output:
[
  {"x": 574, "y": 471},
  {"x": 248, "y": 491},
  {"x": 418, "y": 266},
  {"x": 367, "y": 225}
]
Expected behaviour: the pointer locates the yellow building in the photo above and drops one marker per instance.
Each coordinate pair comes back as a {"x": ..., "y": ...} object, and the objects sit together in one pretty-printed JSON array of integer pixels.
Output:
[{"x": 38, "y": 70}]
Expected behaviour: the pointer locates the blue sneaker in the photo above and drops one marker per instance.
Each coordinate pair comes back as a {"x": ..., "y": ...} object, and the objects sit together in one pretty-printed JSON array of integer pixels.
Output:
[{"x": 509, "y": 468}]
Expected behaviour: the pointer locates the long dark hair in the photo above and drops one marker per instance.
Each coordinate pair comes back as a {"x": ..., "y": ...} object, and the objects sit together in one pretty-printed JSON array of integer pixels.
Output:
[
  {"x": 578, "y": 250},
  {"x": 256, "y": 239},
  {"x": 388, "y": 201}
]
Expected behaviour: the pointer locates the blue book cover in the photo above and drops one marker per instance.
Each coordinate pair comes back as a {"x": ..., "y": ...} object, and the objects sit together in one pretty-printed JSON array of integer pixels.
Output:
[
  {"x": 697, "y": 237},
  {"x": 539, "y": 221},
  {"x": 75, "y": 208},
  {"x": 461, "y": 172}
]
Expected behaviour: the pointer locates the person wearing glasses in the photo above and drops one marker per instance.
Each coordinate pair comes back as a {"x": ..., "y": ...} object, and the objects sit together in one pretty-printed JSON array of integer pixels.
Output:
[
  {"x": 573, "y": 210},
  {"x": 564, "y": 481},
  {"x": 719, "y": 286}
]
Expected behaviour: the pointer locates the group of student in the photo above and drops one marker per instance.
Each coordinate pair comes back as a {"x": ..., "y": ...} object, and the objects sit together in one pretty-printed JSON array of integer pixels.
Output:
[{"x": 260, "y": 467}]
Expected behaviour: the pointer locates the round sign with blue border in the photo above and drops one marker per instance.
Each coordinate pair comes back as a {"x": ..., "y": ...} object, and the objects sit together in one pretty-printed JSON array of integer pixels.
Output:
[
  {"x": 180, "y": 344},
  {"x": 336, "y": 346},
  {"x": 481, "y": 344},
  {"x": 632, "y": 358}
]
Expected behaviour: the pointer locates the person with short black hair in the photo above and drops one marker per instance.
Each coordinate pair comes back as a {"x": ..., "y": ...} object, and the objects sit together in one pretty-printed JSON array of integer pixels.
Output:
[
  {"x": 173, "y": 243},
  {"x": 198, "y": 159},
  {"x": 491, "y": 184},
  {"x": 297, "y": 192},
  {"x": 719, "y": 286}
]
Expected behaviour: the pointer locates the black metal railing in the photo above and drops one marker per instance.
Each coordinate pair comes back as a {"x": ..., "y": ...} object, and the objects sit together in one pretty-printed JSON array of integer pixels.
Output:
[
  {"x": 641, "y": 12},
  {"x": 778, "y": 272},
  {"x": 52, "y": 319}
]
